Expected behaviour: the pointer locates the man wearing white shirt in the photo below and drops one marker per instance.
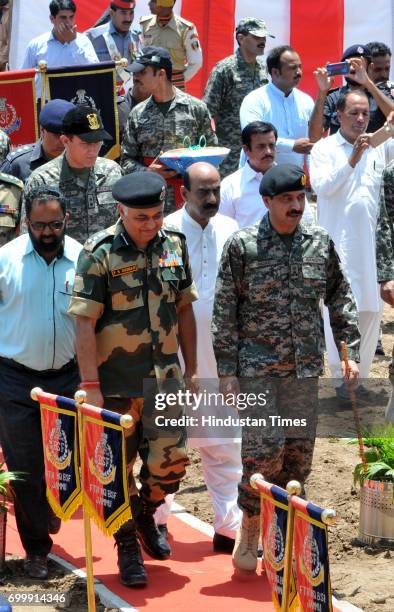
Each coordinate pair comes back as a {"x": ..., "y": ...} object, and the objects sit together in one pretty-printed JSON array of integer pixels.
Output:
[
  {"x": 240, "y": 198},
  {"x": 283, "y": 105},
  {"x": 239, "y": 193},
  {"x": 346, "y": 175},
  {"x": 206, "y": 232},
  {"x": 63, "y": 45}
]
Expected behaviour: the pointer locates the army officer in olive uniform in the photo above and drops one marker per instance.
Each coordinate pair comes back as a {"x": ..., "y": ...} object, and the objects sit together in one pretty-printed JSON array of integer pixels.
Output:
[{"x": 132, "y": 296}]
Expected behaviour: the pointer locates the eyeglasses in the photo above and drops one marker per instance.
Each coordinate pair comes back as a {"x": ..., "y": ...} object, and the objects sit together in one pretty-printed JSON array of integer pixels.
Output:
[{"x": 39, "y": 226}]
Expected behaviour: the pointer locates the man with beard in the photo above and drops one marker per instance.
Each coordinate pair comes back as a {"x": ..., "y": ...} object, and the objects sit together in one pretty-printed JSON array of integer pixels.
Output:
[
  {"x": 36, "y": 350},
  {"x": 324, "y": 116},
  {"x": 231, "y": 80},
  {"x": 267, "y": 330},
  {"x": 283, "y": 105}
]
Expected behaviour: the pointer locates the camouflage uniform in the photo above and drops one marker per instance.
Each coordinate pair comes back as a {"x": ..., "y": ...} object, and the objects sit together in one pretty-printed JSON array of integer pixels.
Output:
[
  {"x": 230, "y": 81},
  {"x": 385, "y": 230},
  {"x": 11, "y": 190},
  {"x": 24, "y": 160},
  {"x": 267, "y": 323},
  {"x": 148, "y": 132},
  {"x": 135, "y": 300},
  {"x": 5, "y": 145},
  {"x": 88, "y": 195}
]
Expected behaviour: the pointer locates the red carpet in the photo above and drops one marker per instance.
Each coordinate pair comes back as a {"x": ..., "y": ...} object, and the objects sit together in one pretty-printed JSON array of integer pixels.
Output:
[{"x": 193, "y": 579}]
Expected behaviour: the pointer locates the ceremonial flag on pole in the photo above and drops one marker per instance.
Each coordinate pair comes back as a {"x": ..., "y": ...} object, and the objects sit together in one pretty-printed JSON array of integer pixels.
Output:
[
  {"x": 93, "y": 85},
  {"x": 105, "y": 491},
  {"x": 18, "y": 111},
  {"x": 274, "y": 507},
  {"x": 311, "y": 557},
  {"x": 59, "y": 439}
]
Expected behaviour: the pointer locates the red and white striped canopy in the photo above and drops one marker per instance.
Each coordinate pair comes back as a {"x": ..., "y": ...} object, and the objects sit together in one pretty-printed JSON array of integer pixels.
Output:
[{"x": 318, "y": 29}]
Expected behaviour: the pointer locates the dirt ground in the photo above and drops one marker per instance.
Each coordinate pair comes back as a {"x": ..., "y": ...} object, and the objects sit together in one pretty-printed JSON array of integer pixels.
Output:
[{"x": 362, "y": 575}]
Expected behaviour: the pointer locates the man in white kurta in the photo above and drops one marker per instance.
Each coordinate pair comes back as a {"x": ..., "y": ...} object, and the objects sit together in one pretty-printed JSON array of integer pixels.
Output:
[
  {"x": 346, "y": 174},
  {"x": 206, "y": 232}
]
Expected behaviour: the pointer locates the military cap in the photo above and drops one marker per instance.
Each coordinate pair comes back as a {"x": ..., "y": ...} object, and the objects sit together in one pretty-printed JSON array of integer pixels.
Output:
[
  {"x": 281, "y": 179},
  {"x": 356, "y": 51},
  {"x": 140, "y": 190},
  {"x": 253, "y": 25},
  {"x": 85, "y": 122},
  {"x": 123, "y": 4},
  {"x": 151, "y": 56},
  {"x": 52, "y": 114}
]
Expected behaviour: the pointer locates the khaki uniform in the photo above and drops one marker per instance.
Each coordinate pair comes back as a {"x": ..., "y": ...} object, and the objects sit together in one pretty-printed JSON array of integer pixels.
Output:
[
  {"x": 11, "y": 190},
  {"x": 134, "y": 296},
  {"x": 88, "y": 195},
  {"x": 180, "y": 37}
]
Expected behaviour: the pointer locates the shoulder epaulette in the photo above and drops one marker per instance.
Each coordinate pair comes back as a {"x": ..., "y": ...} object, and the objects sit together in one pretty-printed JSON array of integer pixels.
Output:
[
  {"x": 185, "y": 22},
  {"x": 146, "y": 18},
  {"x": 20, "y": 151},
  {"x": 169, "y": 229},
  {"x": 8, "y": 178},
  {"x": 94, "y": 241}
]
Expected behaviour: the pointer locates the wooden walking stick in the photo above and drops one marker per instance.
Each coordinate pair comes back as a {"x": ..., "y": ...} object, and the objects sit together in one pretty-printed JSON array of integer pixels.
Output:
[{"x": 354, "y": 407}]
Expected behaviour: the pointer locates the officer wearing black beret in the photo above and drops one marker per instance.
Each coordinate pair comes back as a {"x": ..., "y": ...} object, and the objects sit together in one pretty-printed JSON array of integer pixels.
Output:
[
  {"x": 21, "y": 162},
  {"x": 267, "y": 328},
  {"x": 133, "y": 295}
]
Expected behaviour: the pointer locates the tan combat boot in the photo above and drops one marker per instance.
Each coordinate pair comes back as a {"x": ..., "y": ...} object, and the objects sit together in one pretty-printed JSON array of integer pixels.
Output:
[{"x": 246, "y": 544}]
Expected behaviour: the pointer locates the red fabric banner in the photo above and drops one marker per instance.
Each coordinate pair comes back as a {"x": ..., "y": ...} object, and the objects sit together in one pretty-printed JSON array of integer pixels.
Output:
[
  {"x": 316, "y": 32},
  {"x": 18, "y": 112},
  {"x": 215, "y": 26}
]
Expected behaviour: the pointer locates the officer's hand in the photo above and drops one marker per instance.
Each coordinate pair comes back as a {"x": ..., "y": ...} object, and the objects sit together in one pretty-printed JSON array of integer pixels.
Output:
[
  {"x": 390, "y": 122},
  {"x": 191, "y": 382},
  {"x": 358, "y": 72},
  {"x": 164, "y": 171},
  {"x": 387, "y": 292},
  {"x": 94, "y": 397},
  {"x": 66, "y": 33},
  {"x": 361, "y": 144},
  {"x": 302, "y": 145},
  {"x": 351, "y": 372},
  {"x": 324, "y": 81},
  {"x": 229, "y": 386}
]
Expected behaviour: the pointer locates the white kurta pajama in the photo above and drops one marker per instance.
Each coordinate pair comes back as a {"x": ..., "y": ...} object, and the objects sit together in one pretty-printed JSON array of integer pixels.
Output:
[
  {"x": 220, "y": 457},
  {"x": 347, "y": 206}
]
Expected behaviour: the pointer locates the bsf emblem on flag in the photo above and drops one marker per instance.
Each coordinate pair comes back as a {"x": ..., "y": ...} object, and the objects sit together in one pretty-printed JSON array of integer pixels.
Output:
[
  {"x": 9, "y": 121},
  {"x": 81, "y": 97},
  {"x": 101, "y": 466},
  {"x": 94, "y": 123},
  {"x": 276, "y": 545},
  {"x": 310, "y": 562},
  {"x": 57, "y": 451}
]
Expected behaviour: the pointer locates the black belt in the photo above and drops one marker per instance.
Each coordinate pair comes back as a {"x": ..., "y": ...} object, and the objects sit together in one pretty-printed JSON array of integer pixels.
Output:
[{"x": 70, "y": 365}]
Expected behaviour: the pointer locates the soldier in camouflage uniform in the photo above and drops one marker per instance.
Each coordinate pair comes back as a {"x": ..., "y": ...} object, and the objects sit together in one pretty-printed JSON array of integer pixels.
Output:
[
  {"x": 5, "y": 145},
  {"x": 385, "y": 246},
  {"x": 230, "y": 81},
  {"x": 267, "y": 323},
  {"x": 11, "y": 190},
  {"x": 162, "y": 122},
  {"x": 84, "y": 179},
  {"x": 133, "y": 285}
]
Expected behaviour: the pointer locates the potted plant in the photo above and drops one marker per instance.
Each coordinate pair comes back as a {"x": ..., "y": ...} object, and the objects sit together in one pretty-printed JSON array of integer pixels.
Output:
[
  {"x": 377, "y": 486},
  {"x": 5, "y": 496}
]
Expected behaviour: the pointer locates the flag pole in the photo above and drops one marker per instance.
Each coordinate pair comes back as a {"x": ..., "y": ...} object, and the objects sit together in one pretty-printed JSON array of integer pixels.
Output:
[
  {"x": 293, "y": 488},
  {"x": 80, "y": 397},
  {"x": 42, "y": 68}
]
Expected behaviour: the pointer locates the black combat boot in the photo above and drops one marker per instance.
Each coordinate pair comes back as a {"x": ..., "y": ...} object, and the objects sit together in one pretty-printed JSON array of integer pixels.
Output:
[
  {"x": 131, "y": 565},
  {"x": 153, "y": 541}
]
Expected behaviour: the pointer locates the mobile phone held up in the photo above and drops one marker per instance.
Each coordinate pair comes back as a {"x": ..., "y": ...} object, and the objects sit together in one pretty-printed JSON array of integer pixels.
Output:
[{"x": 338, "y": 68}]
